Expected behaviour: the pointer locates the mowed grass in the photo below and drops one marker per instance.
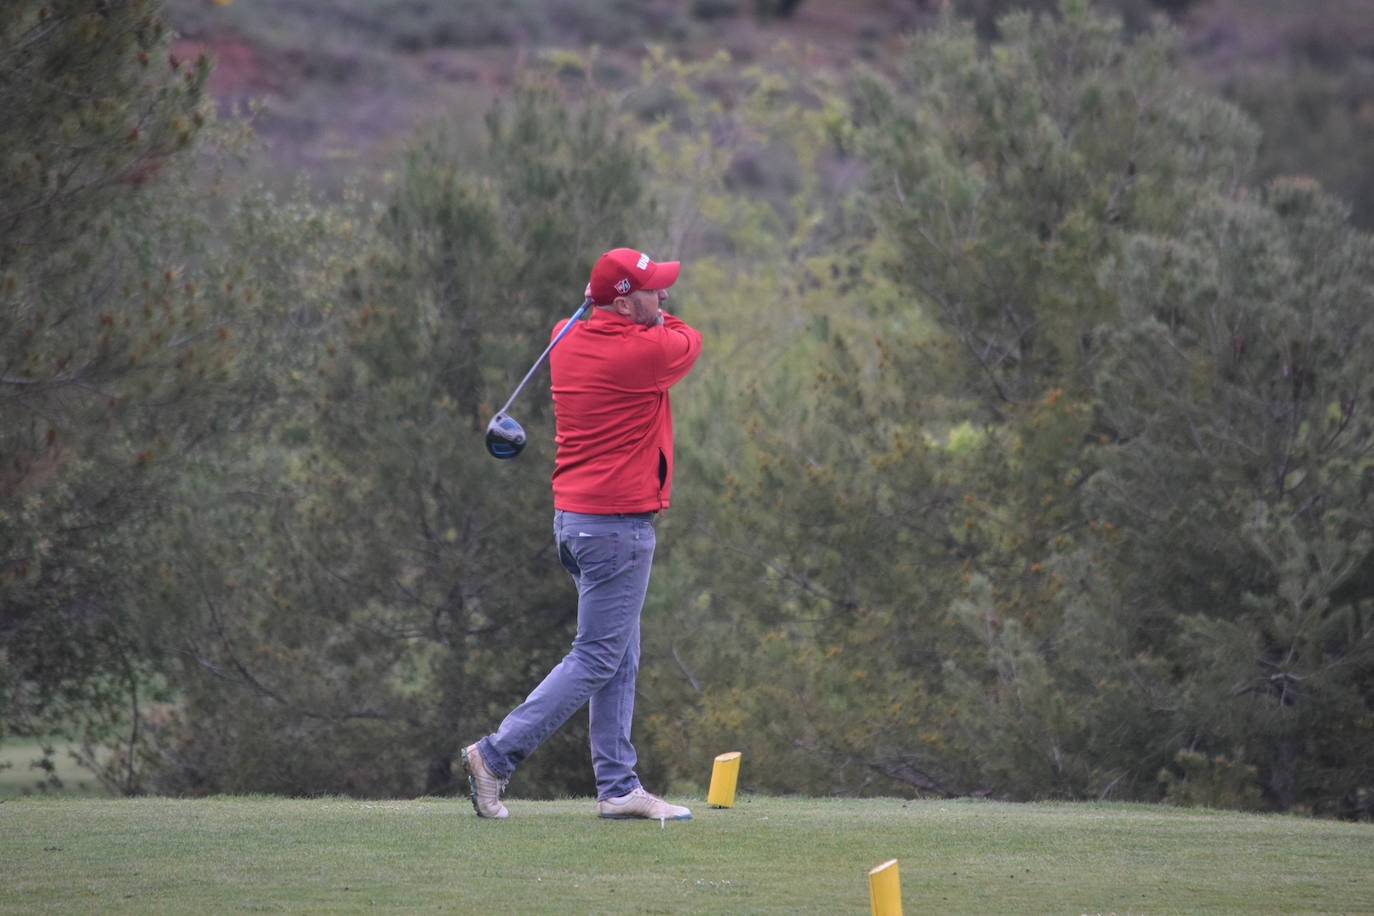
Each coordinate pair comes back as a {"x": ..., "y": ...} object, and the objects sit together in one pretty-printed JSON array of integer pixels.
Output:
[{"x": 766, "y": 855}]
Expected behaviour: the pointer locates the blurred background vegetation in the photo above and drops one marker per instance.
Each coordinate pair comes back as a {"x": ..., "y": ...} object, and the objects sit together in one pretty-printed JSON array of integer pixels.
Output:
[
  {"x": 1031, "y": 454},
  {"x": 345, "y": 83}
]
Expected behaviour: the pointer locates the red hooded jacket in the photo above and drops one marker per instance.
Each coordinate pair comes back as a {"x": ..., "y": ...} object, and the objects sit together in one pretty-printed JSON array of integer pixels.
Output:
[{"x": 610, "y": 380}]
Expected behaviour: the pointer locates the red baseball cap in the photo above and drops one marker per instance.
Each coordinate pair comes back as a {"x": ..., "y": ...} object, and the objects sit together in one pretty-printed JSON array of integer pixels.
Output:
[{"x": 621, "y": 271}]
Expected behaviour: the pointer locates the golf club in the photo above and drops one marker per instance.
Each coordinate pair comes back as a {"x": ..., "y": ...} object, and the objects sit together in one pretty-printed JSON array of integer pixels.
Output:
[{"x": 506, "y": 437}]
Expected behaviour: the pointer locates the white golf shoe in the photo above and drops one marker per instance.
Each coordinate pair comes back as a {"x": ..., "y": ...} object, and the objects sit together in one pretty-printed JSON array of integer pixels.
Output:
[
  {"x": 484, "y": 786},
  {"x": 639, "y": 803}
]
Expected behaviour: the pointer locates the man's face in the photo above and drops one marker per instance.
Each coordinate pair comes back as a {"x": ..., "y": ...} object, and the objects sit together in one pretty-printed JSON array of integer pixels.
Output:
[{"x": 642, "y": 306}]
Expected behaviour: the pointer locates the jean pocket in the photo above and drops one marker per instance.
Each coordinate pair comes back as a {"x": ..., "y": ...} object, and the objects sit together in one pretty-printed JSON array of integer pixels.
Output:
[{"x": 598, "y": 555}]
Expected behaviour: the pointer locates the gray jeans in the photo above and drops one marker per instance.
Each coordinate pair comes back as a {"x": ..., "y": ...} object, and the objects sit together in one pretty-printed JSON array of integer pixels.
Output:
[{"x": 609, "y": 557}]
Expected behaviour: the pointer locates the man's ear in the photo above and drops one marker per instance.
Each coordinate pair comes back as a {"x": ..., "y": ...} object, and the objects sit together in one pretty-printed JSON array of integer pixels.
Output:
[{"x": 622, "y": 306}]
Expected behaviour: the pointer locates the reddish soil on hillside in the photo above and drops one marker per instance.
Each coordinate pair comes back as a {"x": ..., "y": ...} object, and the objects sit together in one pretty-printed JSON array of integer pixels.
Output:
[{"x": 239, "y": 71}]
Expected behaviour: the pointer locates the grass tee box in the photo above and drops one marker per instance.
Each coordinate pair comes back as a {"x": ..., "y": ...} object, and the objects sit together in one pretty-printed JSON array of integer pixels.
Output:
[{"x": 765, "y": 855}]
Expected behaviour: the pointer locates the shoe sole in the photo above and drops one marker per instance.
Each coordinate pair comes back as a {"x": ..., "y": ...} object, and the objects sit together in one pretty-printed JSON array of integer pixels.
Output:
[
  {"x": 644, "y": 817},
  {"x": 472, "y": 782}
]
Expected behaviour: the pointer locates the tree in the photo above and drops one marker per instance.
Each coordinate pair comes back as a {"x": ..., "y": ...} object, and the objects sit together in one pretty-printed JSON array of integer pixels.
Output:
[
  {"x": 1087, "y": 520},
  {"x": 933, "y": 594},
  {"x": 1237, "y": 385},
  {"x": 109, "y": 351},
  {"x": 1007, "y": 182}
]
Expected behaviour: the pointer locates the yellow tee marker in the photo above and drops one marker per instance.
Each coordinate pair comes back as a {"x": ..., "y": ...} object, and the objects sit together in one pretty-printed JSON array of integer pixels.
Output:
[
  {"x": 885, "y": 889},
  {"x": 724, "y": 776}
]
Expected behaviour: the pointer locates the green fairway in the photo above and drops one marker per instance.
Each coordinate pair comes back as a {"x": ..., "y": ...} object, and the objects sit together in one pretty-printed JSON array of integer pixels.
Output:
[{"x": 766, "y": 855}]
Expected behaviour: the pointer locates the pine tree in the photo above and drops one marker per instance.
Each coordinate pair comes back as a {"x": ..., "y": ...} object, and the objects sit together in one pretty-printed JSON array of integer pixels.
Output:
[{"x": 105, "y": 342}]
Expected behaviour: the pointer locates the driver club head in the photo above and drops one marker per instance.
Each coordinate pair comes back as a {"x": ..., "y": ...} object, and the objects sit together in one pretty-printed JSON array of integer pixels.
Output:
[{"x": 505, "y": 437}]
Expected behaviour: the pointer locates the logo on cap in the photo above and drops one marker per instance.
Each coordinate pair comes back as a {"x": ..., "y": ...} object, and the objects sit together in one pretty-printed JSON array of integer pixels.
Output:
[
  {"x": 622, "y": 286},
  {"x": 643, "y": 262}
]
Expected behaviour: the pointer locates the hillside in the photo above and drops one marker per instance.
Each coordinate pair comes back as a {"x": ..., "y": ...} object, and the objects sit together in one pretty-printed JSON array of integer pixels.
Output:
[{"x": 340, "y": 86}]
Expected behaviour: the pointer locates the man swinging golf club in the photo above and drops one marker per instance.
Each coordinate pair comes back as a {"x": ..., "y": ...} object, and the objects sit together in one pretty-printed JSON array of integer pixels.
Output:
[{"x": 612, "y": 475}]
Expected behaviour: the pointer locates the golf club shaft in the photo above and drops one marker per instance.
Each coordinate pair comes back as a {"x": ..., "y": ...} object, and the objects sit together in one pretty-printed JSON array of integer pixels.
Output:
[{"x": 566, "y": 328}]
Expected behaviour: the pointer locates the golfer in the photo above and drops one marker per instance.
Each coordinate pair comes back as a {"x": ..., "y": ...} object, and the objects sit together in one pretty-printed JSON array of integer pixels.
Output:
[{"x": 612, "y": 476}]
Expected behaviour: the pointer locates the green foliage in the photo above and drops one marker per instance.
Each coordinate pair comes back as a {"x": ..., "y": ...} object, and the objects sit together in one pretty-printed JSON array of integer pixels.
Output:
[
  {"x": 1043, "y": 205},
  {"x": 883, "y": 663},
  {"x": 1002, "y": 181},
  {"x": 1236, "y": 387},
  {"x": 111, "y": 352},
  {"x": 93, "y": 105},
  {"x": 1199, "y": 781}
]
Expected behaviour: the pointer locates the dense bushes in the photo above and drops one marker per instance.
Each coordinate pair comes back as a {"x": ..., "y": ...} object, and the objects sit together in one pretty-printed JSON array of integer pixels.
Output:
[{"x": 1094, "y": 529}]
